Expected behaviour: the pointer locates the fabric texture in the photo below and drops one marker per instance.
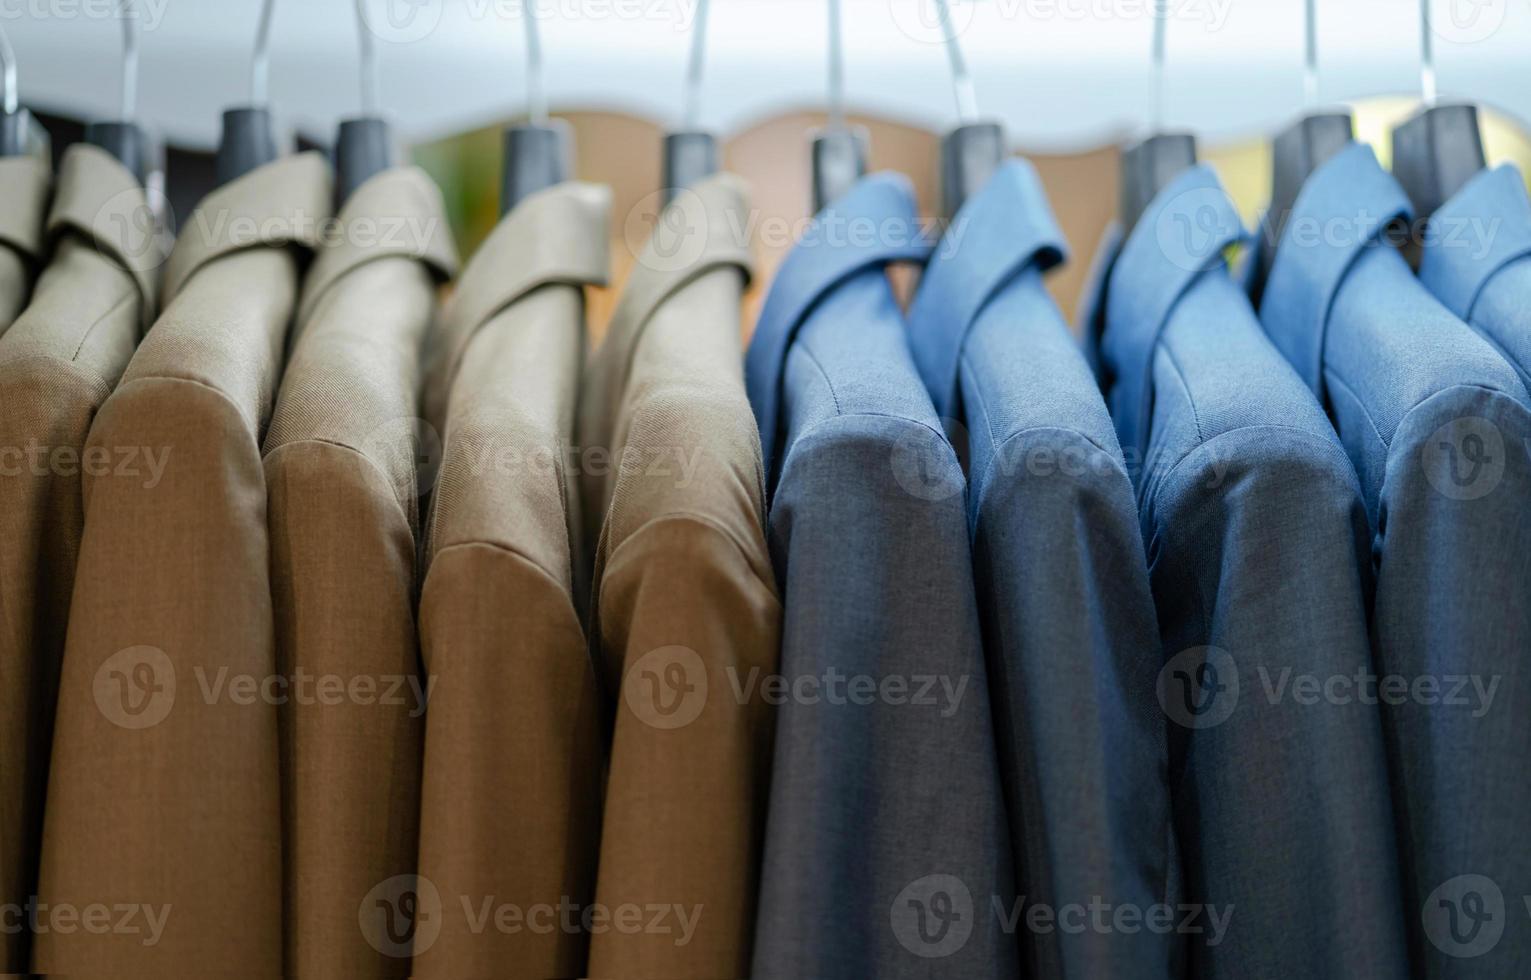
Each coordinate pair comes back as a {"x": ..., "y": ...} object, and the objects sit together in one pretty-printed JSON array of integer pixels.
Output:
[
  {"x": 24, "y": 186},
  {"x": 685, "y": 605},
  {"x": 1477, "y": 261},
  {"x": 511, "y": 803},
  {"x": 340, "y": 469},
  {"x": 165, "y": 791},
  {"x": 58, "y": 362},
  {"x": 1256, "y": 543},
  {"x": 886, "y": 849},
  {"x": 1069, "y": 627},
  {"x": 1437, "y": 425}
]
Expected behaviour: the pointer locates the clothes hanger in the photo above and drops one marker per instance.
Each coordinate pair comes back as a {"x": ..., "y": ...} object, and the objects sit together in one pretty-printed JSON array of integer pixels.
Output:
[
  {"x": 839, "y": 150},
  {"x": 363, "y": 145},
  {"x": 20, "y": 134},
  {"x": 1439, "y": 148},
  {"x": 974, "y": 150},
  {"x": 1150, "y": 165},
  {"x": 691, "y": 153},
  {"x": 121, "y": 137},
  {"x": 248, "y": 141},
  {"x": 538, "y": 152},
  {"x": 1302, "y": 147}
]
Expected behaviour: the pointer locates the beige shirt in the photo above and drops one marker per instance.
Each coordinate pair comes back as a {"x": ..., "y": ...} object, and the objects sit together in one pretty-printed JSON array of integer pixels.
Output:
[
  {"x": 510, "y": 809},
  {"x": 686, "y": 604},
  {"x": 58, "y": 362},
  {"x": 165, "y": 794},
  {"x": 23, "y": 203},
  {"x": 340, "y": 463}
]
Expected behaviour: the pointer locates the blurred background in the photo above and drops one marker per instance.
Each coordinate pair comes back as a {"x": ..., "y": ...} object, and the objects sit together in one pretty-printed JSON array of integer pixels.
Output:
[{"x": 1071, "y": 80}]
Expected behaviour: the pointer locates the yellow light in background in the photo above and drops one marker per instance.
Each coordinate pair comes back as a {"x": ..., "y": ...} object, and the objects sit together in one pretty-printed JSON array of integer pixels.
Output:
[{"x": 1245, "y": 166}]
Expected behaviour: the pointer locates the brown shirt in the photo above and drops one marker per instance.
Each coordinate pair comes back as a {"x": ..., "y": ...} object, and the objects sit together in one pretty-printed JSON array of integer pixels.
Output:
[
  {"x": 340, "y": 463},
  {"x": 23, "y": 203},
  {"x": 58, "y": 362},
  {"x": 511, "y": 802},
  {"x": 164, "y": 794},
  {"x": 686, "y": 604}
]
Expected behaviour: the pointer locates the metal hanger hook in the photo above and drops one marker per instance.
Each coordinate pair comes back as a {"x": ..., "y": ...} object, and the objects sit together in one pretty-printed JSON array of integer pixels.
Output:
[
  {"x": 1310, "y": 55},
  {"x": 694, "y": 68},
  {"x": 129, "y": 19},
  {"x": 836, "y": 67},
  {"x": 536, "y": 95},
  {"x": 260, "y": 59},
  {"x": 1161, "y": 25},
  {"x": 8, "y": 57},
  {"x": 962, "y": 81},
  {"x": 369, "y": 79},
  {"x": 1427, "y": 85}
]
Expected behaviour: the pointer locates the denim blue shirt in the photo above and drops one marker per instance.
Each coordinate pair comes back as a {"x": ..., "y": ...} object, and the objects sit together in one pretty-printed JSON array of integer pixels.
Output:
[
  {"x": 1256, "y": 543},
  {"x": 1436, "y": 424},
  {"x": 886, "y": 851},
  {"x": 1068, "y": 618}
]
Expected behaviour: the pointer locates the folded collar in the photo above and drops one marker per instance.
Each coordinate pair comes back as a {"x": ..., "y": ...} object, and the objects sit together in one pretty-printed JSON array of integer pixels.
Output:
[
  {"x": 557, "y": 236},
  {"x": 397, "y": 213},
  {"x": 24, "y": 196},
  {"x": 1342, "y": 211},
  {"x": 285, "y": 203},
  {"x": 1004, "y": 229},
  {"x": 1483, "y": 228},
  {"x": 1185, "y": 233},
  {"x": 871, "y": 226},
  {"x": 101, "y": 200}
]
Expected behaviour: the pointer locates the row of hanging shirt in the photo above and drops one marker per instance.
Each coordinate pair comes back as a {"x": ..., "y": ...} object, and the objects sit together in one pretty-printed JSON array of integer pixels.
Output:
[{"x": 1074, "y": 660}]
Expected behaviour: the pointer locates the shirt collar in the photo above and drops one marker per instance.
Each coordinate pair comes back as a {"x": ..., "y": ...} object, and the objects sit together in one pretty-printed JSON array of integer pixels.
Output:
[
  {"x": 1184, "y": 233},
  {"x": 1001, "y": 231},
  {"x": 873, "y": 225},
  {"x": 1456, "y": 268},
  {"x": 1342, "y": 211}
]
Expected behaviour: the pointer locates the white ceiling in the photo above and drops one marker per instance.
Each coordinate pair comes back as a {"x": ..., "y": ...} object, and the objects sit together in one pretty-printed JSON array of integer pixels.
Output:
[{"x": 1059, "y": 73}]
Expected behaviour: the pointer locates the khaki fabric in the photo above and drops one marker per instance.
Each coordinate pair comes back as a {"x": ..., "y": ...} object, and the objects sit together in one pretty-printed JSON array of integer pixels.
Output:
[
  {"x": 164, "y": 790},
  {"x": 58, "y": 362},
  {"x": 341, "y": 512},
  {"x": 511, "y": 802},
  {"x": 686, "y": 604},
  {"x": 23, "y": 203}
]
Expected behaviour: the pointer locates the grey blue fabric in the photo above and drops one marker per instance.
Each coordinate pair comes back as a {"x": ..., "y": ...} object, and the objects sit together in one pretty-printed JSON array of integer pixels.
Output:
[
  {"x": 886, "y": 849},
  {"x": 1256, "y": 541},
  {"x": 1436, "y": 423},
  {"x": 1068, "y": 620},
  {"x": 1477, "y": 261}
]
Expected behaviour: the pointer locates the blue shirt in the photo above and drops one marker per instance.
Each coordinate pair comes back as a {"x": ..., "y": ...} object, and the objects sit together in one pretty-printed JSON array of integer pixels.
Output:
[
  {"x": 1436, "y": 424},
  {"x": 1256, "y": 542},
  {"x": 1068, "y": 619},
  {"x": 886, "y": 852}
]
